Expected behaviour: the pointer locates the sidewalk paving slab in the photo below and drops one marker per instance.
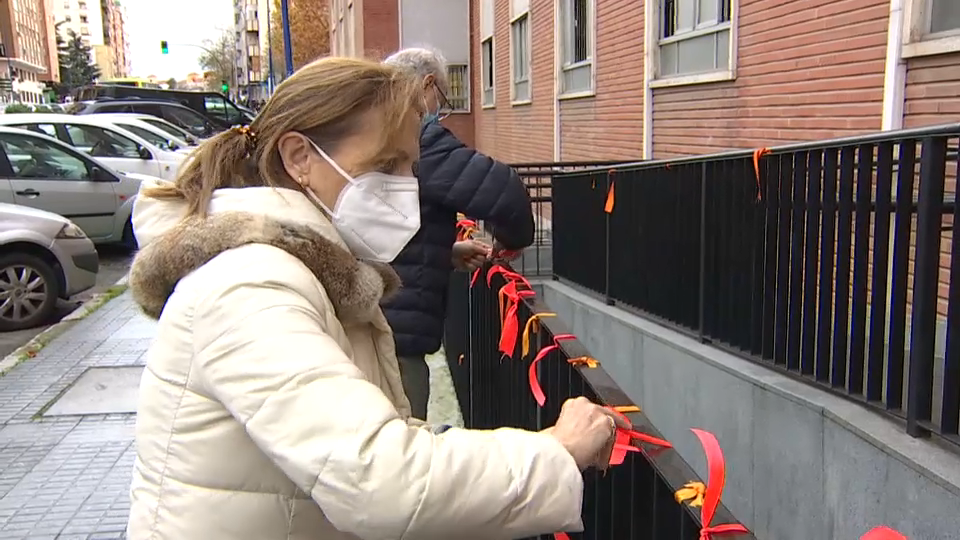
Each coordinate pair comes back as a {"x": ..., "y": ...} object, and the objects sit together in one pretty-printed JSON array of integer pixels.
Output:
[{"x": 68, "y": 477}]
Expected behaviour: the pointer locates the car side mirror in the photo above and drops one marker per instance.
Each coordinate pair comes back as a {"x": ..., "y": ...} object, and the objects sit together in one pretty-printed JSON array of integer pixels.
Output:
[
  {"x": 144, "y": 153},
  {"x": 100, "y": 175}
]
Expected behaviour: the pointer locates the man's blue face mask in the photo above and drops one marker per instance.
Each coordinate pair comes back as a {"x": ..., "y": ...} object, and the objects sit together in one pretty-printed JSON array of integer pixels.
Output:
[{"x": 442, "y": 105}]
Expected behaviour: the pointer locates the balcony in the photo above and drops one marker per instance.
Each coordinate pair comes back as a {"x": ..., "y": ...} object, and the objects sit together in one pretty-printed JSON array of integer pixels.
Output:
[{"x": 796, "y": 305}]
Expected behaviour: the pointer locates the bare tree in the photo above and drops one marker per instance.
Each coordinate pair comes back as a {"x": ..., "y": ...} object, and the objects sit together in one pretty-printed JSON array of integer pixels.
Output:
[{"x": 218, "y": 58}]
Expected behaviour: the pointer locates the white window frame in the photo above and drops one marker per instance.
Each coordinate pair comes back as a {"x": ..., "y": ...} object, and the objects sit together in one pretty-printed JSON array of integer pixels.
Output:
[
  {"x": 466, "y": 88},
  {"x": 524, "y": 49},
  {"x": 567, "y": 69},
  {"x": 488, "y": 88},
  {"x": 681, "y": 79},
  {"x": 917, "y": 38}
]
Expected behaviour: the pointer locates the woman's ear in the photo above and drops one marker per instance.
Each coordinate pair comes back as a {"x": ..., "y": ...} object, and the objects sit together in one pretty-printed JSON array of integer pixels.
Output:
[{"x": 295, "y": 154}]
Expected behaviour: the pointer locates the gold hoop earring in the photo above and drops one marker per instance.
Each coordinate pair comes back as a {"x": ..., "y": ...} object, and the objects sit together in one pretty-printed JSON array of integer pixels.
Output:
[{"x": 300, "y": 180}]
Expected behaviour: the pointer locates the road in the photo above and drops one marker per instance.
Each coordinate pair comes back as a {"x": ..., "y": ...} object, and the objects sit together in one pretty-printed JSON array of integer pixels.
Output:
[{"x": 114, "y": 264}]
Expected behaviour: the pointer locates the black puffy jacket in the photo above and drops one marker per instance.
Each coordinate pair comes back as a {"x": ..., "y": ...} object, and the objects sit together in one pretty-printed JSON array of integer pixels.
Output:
[{"x": 453, "y": 178}]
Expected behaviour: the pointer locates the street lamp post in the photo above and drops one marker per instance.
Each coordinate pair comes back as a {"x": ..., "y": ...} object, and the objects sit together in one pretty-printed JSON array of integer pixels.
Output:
[{"x": 287, "y": 42}]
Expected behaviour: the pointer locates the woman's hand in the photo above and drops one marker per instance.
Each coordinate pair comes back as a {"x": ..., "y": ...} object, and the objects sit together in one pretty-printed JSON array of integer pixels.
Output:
[
  {"x": 468, "y": 255},
  {"x": 587, "y": 431}
]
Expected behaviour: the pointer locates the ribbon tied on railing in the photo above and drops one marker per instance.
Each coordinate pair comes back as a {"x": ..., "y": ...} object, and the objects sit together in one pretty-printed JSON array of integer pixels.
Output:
[
  {"x": 533, "y": 324},
  {"x": 625, "y": 437},
  {"x": 534, "y": 381},
  {"x": 708, "y": 496},
  {"x": 510, "y": 296}
]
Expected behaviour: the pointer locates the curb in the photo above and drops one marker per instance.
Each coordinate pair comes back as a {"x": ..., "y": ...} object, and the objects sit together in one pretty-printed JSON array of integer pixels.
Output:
[{"x": 23, "y": 353}]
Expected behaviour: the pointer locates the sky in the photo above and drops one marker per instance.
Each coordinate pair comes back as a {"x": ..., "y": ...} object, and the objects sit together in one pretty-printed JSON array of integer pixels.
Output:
[{"x": 181, "y": 23}]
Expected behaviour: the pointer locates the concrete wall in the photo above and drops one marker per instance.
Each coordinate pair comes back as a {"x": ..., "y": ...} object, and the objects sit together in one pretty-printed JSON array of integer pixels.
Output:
[{"x": 801, "y": 464}]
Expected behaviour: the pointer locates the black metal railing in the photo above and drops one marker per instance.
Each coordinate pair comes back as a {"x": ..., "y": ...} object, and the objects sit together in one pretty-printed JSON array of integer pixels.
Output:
[
  {"x": 824, "y": 260},
  {"x": 634, "y": 500},
  {"x": 538, "y": 178}
]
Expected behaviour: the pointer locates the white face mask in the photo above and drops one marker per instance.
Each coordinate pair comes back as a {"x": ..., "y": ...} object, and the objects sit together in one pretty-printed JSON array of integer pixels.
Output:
[{"x": 376, "y": 214}]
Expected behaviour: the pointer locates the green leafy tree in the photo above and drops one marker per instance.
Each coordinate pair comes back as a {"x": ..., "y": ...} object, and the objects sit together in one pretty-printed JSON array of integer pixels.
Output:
[
  {"x": 172, "y": 83},
  {"x": 76, "y": 67}
]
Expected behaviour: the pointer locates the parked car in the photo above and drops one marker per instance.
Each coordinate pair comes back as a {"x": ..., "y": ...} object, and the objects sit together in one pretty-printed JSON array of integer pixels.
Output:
[
  {"x": 147, "y": 131},
  {"x": 212, "y": 105},
  {"x": 190, "y": 120},
  {"x": 122, "y": 150},
  {"x": 43, "y": 257},
  {"x": 176, "y": 132},
  {"x": 41, "y": 172}
]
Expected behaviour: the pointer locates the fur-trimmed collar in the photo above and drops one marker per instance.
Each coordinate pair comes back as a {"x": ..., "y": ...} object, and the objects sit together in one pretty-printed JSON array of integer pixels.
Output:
[{"x": 355, "y": 288}]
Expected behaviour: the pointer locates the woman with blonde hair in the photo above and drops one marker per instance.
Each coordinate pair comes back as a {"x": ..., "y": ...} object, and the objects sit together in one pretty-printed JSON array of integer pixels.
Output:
[{"x": 271, "y": 406}]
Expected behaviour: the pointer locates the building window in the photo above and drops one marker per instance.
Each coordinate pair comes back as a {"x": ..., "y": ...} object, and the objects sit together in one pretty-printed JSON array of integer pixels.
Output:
[
  {"x": 82, "y": 5},
  {"x": 577, "y": 36},
  {"x": 68, "y": 18},
  {"x": 486, "y": 64},
  {"x": 520, "y": 57},
  {"x": 931, "y": 27},
  {"x": 694, "y": 37},
  {"x": 944, "y": 16},
  {"x": 83, "y": 19},
  {"x": 458, "y": 94},
  {"x": 84, "y": 31}
]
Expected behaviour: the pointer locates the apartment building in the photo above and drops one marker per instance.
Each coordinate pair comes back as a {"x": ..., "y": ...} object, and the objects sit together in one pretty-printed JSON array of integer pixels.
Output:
[
  {"x": 114, "y": 57},
  {"x": 83, "y": 17},
  {"x": 27, "y": 61},
  {"x": 252, "y": 24},
  {"x": 624, "y": 79},
  {"x": 377, "y": 28}
]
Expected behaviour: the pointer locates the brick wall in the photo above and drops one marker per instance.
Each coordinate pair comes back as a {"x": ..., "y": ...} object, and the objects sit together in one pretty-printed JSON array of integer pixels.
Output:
[
  {"x": 807, "y": 70},
  {"x": 381, "y": 28},
  {"x": 610, "y": 125},
  {"x": 933, "y": 90},
  {"x": 521, "y": 133}
]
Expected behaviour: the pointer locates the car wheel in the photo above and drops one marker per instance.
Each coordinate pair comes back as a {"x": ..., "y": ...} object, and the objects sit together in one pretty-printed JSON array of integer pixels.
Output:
[
  {"x": 28, "y": 291},
  {"x": 129, "y": 240}
]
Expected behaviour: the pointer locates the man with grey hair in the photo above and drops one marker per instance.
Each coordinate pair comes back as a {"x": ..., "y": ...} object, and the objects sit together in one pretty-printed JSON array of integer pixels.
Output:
[{"x": 453, "y": 178}]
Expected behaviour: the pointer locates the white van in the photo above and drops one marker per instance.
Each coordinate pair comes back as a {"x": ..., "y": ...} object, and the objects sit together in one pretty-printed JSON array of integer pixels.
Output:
[{"x": 116, "y": 147}]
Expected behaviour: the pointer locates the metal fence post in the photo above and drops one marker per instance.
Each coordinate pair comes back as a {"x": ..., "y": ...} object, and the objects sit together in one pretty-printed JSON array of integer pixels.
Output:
[
  {"x": 703, "y": 252},
  {"x": 606, "y": 249},
  {"x": 925, "y": 284}
]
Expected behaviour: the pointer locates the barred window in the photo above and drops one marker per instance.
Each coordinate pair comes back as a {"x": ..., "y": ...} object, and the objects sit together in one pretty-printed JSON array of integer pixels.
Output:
[
  {"x": 576, "y": 19},
  {"x": 458, "y": 96}
]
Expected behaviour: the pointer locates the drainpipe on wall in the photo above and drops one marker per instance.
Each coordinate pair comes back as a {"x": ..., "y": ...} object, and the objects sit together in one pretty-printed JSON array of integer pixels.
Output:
[
  {"x": 895, "y": 70},
  {"x": 649, "y": 59},
  {"x": 894, "y": 88},
  {"x": 556, "y": 85}
]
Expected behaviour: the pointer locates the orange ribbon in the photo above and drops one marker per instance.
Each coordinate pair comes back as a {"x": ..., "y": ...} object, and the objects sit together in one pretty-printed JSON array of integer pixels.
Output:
[
  {"x": 534, "y": 382},
  {"x": 709, "y": 495},
  {"x": 533, "y": 323},
  {"x": 460, "y": 360},
  {"x": 757, "y": 156},
  {"x": 608, "y": 206},
  {"x": 883, "y": 533}
]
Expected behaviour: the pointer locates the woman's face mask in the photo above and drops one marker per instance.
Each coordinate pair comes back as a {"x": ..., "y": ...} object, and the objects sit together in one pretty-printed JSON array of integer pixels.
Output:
[{"x": 376, "y": 213}]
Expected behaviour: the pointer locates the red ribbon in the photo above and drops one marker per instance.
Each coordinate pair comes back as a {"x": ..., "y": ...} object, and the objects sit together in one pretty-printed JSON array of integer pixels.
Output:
[
  {"x": 534, "y": 382},
  {"x": 561, "y": 536},
  {"x": 883, "y": 533},
  {"x": 716, "y": 477},
  {"x": 625, "y": 436},
  {"x": 511, "y": 326}
]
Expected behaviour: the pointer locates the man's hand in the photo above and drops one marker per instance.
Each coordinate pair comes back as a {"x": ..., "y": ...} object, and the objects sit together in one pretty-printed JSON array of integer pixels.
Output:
[{"x": 468, "y": 255}]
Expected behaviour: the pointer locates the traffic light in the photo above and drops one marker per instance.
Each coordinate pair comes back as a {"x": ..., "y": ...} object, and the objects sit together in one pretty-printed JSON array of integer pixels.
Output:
[
  {"x": 163, "y": 47},
  {"x": 224, "y": 87}
]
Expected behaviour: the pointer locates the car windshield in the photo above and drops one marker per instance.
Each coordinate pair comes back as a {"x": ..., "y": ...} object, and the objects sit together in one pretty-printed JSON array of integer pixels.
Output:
[{"x": 163, "y": 143}]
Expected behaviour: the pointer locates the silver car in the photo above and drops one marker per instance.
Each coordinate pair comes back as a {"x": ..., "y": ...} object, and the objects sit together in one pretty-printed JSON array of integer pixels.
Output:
[
  {"x": 43, "y": 257},
  {"x": 41, "y": 172}
]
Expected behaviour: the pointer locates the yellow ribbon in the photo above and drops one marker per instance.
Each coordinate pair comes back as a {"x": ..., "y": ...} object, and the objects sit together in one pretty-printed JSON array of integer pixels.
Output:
[
  {"x": 533, "y": 323},
  {"x": 588, "y": 361},
  {"x": 692, "y": 490}
]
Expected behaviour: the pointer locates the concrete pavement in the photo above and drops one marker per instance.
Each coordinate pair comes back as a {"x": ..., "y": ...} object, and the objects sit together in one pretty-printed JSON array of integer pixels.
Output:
[{"x": 67, "y": 417}]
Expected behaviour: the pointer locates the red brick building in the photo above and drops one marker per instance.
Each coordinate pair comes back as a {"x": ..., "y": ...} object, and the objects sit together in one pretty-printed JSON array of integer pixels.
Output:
[
  {"x": 377, "y": 28},
  {"x": 624, "y": 79}
]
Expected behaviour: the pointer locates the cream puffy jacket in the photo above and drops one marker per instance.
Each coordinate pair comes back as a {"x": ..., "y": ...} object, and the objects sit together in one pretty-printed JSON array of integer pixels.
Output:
[{"x": 271, "y": 407}]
